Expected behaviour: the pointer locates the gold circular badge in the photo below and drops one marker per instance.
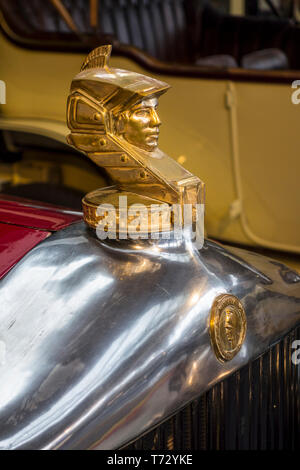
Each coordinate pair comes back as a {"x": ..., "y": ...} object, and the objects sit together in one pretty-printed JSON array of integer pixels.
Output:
[{"x": 228, "y": 325}]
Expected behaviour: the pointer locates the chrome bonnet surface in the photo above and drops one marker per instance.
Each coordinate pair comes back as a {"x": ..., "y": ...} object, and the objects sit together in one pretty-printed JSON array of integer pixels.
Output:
[{"x": 101, "y": 341}]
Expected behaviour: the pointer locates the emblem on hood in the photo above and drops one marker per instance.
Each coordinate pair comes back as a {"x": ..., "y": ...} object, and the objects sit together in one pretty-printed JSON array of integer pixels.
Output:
[
  {"x": 228, "y": 325},
  {"x": 112, "y": 115}
]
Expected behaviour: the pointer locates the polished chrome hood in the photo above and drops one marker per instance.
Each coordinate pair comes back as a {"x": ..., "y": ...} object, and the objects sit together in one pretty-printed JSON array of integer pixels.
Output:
[{"x": 101, "y": 341}]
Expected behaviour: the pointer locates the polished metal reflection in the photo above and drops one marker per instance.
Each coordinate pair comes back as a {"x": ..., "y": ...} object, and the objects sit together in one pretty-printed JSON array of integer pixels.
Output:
[{"x": 101, "y": 341}]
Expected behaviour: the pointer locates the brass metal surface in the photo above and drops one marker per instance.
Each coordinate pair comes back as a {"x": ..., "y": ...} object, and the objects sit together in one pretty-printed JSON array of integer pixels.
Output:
[
  {"x": 113, "y": 118},
  {"x": 156, "y": 216},
  {"x": 228, "y": 326}
]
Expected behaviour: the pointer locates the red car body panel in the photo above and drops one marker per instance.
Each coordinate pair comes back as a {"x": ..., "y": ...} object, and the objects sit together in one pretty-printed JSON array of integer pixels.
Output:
[
  {"x": 25, "y": 224},
  {"x": 15, "y": 242},
  {"x": 42, "y": 218}
]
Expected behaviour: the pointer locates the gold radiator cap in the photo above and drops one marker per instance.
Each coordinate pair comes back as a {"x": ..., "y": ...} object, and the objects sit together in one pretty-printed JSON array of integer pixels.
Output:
[{"x": 107, "y": 208}]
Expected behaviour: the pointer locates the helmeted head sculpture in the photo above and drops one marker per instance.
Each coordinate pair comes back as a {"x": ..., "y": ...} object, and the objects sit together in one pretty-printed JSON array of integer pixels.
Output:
[
  {"x": 113, "y": 103},
  {"x": 112, "y": 116}
]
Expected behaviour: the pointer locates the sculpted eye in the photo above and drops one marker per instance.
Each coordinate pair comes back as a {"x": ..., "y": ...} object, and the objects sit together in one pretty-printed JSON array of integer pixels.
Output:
[{"x": 142, "y": 112}]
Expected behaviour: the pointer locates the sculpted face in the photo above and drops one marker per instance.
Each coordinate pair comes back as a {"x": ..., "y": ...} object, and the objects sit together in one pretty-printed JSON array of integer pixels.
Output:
[
  {"x": 140, "y": 125},
  {"x": 230, "y": 325}
]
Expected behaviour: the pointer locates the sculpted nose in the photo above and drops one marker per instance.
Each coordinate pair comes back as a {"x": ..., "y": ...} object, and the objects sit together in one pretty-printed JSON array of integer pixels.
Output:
[{"x": 155, "y": 121}]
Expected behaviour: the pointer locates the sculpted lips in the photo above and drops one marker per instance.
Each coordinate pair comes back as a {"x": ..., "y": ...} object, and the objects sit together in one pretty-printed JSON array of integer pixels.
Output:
[{"x": 152, "y": 133}]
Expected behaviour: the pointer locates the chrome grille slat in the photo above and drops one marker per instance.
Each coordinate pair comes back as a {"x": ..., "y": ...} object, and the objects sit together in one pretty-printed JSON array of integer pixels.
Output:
[{"x": 258, "y": 407}]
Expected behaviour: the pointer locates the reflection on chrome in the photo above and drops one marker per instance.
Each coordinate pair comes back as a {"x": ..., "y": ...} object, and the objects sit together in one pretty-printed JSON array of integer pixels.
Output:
[{"x": 108, "y": 339}]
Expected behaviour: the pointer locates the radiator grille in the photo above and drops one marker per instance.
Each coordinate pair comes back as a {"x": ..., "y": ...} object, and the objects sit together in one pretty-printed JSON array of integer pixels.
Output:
[{"x": 258, "y": 407}]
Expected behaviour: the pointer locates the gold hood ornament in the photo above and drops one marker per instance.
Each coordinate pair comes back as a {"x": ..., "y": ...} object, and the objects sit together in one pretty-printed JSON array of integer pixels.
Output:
[{"x": 112, "y": 116}]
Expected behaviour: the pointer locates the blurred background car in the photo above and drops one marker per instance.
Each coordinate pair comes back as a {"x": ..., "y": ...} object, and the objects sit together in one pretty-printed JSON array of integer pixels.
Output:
[{"x": 231, "y": 119}]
